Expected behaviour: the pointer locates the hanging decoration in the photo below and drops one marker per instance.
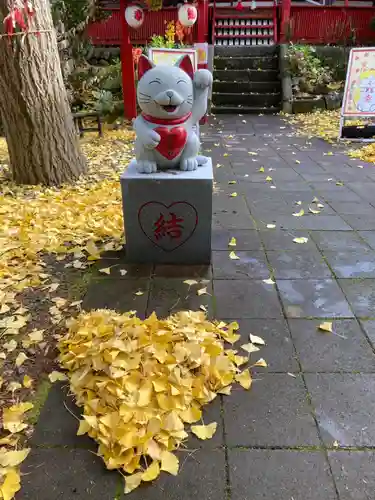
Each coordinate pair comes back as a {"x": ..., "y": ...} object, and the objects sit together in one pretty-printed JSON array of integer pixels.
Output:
[
  {"x": 253, "y": 5},
  {"x": 239, "y": 5},
  {"x": 187, "y": 15},
  {"x": 134, "y": 16},
  {"x": 20, "y": 13}
]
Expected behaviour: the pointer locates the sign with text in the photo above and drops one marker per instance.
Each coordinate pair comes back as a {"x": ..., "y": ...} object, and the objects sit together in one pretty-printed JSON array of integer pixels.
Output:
[
  {"x": 169, "y": 57},
  {"x": 359, "y": 94}
]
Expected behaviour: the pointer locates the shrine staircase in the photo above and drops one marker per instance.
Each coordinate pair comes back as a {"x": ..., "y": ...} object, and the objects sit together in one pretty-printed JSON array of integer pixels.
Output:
[{"x": 246, "y": 80}]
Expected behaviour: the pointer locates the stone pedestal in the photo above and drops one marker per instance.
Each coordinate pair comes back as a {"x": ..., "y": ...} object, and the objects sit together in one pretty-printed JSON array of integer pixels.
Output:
[{"x": 168, "y": 216}]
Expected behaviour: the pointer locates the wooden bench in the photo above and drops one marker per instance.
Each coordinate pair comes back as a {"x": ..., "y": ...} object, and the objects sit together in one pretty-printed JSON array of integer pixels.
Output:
[{"x": 79, "y": 122}]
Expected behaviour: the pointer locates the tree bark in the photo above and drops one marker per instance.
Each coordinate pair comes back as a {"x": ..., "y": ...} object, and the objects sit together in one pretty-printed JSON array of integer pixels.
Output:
[{"x": 38, "y": 125}]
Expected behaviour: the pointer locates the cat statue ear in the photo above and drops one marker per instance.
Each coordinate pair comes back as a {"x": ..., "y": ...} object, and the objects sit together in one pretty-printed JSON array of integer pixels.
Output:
[
  {"x": 186, "y": 65},
  {"x": 144, "y": 64}
]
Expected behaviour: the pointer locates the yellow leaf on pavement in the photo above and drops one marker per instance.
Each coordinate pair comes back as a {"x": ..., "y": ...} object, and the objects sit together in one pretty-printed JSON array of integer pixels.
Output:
[
  {"x": 254, "y": 339},
  {"x": 300, "y": 240},
  {"x": 226, "y": 390},
  {"x": 233, "y": 195},
  {"x": 169, "y": 463},
  {"x": 12, "y": 458},
  {"x": 83, "y": 428},
  {"x": 300, "y": 213},
  {"x": 268, "y": 178},
  {"x": 204, "y": 431},
  {"x": 261, "y": 362},
  {"x": 250, "y": 348},
  {"x": 244, "y": 379},
  {"x": 10, "y": 485},
  {"x": 261, "y": 169},
  {"x": 232, "y": 242},
  {"x": 271, "y": 226},
  {"x": 151, "y": 472},
  {"x": 202, "y": 291},
  {"x": 105, "y": 270},
  {"x": 132, "y": 482},
  {"x": 313, "y": 211},
  {"x": 233, "y": 256},
  {"x": 326, "y": 326}
]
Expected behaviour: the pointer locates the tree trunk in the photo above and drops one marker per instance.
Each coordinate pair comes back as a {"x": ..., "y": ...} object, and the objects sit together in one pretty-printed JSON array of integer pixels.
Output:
[{"x": 38, "y": 125}]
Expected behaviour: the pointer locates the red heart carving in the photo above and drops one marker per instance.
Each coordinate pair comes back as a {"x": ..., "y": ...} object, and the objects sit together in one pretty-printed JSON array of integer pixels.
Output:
[
  {"x": 172, "y": 141},
  {"x": 168, "y": 226}
]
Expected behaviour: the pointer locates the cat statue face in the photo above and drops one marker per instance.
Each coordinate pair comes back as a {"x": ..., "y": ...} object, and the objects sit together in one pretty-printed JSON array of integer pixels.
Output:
[{"x": 165, "y": 92}]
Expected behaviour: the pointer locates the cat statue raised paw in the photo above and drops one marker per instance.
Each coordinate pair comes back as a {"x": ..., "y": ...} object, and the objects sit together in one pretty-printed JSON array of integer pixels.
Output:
[{"x": 172, "y": 99}]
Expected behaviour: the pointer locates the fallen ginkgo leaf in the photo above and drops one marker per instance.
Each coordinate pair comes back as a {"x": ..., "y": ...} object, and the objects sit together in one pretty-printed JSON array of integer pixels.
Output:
[
  {"x": 254, "y": 339},
  {"x": 233, "y": 256},
  {"x": 269, "y": 281},
  {"x": 232, "y": 242},
  {"x": 300, "y": 240},
  {"x": 105, "y": 270},
  {"x": 326, "y": 326},
  {"x": 244, "y": 379},
  {"x": 204, "y": 431},
  {"x": 56, "y": 376},
  {"x": 300, "y": 213},
  {"x": 191, "y": 282}
]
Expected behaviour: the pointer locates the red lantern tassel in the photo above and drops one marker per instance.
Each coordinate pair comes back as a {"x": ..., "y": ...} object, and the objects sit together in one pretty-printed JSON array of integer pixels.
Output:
[{"x": 239, "y": 5}]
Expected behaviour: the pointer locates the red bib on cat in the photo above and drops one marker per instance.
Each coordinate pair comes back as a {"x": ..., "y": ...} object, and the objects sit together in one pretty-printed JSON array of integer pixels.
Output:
[{"x": 172, "y": 141}]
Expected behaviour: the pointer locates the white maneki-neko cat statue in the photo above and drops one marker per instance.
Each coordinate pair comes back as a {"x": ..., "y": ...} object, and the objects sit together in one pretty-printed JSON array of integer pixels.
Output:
[{"x": 172, "y": 99}]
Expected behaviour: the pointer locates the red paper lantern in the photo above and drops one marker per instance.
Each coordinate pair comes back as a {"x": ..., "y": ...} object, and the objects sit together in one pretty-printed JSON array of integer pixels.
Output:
[
  {"x": 134, "y": 16},
  {"x": 187, "y": 15}
]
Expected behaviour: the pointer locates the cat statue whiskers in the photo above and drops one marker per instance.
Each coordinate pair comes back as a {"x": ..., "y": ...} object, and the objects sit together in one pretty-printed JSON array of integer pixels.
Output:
[{"x": 172, "y": 99}]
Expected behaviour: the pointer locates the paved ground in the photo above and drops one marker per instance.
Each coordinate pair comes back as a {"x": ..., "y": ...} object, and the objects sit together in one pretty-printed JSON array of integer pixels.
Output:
[{"x": 306, "y": 430}]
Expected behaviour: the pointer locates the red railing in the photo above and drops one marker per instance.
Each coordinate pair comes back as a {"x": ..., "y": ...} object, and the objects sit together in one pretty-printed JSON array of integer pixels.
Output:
[
  {"x": 322, "y": 25},
  {"x": 108, "y": 32}
]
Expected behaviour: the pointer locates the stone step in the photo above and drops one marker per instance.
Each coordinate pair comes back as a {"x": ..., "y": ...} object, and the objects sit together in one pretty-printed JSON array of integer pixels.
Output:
[
  {"x": 262, "y": 100},
  {"x": 259, "y": 87},
  {"x": 234, "y": 110},
  {"x": 257, "y": 50},
  {"x": 246, "y": 62},
  {"x": 246, "y": 75}
]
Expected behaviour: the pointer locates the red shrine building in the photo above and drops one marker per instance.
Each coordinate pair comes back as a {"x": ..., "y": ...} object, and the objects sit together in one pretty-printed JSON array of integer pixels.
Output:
[{"x": 256, "y": 24}]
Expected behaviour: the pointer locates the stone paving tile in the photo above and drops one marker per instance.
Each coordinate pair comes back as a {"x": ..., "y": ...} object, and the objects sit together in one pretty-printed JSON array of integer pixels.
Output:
[
  {"x": 354, "y": 474},
  {"x": 280, "y": 475},
  {"x": 339, "y": 195},
  {"x": 352, "y": 264},
  {"x": 118, "y": 294},
  {"x": 369, "y": 327},
  {"x": 344, "y": 406},
  {"x": 298, "y": 264},
  {"x": 313, "y": 298},
  {"x": 360, "y": 293},
  {"x": 246, "y": 299},
  {"x": 62, "y": 474},
  {"x": 278, "y": 351},
  {"x": 338, "y": 241},
  {"x": 183, "y": 272},
  {"x": 345, "y": 350},
  {"x": 57, "y": 425},
  {"x": 133, "y": 271},
  {"x": 222, "y": 202},
  {"x": 283, "y": 240},
  {"x": 261, "y": 417},
  {"x": 360, "y": 222},
  {"x": 201, "y": 476},
  {"x": 232, "y": 221},
  {"x": 369, "y": 237},
  {"x": 352, "y": 208},
  {"x": 169, "y": 295},
  {"x": 252, "y": 265},
  {"x": 245, "y": 240},
  {"x": 321, "y": 223}
]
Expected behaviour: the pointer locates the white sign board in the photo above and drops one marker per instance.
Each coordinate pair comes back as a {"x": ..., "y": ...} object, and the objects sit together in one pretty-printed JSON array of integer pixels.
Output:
[
  {"x": 169, "y": 57},
  {"x": 359, "y": 94}
]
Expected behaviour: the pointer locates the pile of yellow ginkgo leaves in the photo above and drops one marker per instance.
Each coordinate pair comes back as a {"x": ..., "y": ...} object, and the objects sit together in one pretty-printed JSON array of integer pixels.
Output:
[{"x": 140, "y": 382}]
